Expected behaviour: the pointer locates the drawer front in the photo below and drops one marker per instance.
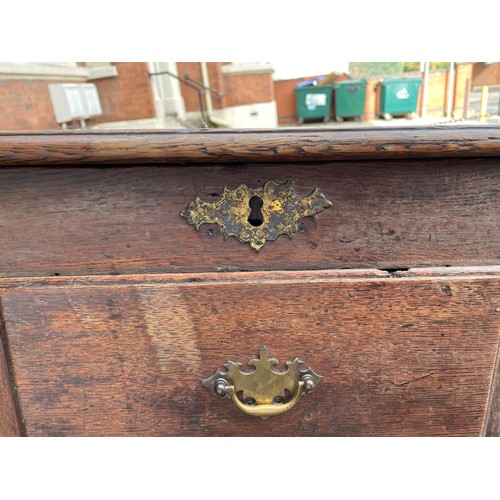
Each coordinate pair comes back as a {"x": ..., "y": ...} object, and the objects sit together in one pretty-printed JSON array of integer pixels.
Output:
[
  {"x": 399, "y": 356},
  {"x": 118, "y": 220}
]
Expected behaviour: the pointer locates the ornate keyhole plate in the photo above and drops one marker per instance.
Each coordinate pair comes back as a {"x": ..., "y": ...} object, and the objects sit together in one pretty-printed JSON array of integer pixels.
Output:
[{"x": 256, "y": 216}]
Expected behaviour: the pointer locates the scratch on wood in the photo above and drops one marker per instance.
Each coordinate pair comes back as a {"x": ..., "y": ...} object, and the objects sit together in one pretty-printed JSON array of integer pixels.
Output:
[{"x": 405, "y": 384}]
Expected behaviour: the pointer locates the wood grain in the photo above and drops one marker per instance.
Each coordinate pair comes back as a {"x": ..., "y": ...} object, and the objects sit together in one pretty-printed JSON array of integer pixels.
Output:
[
  {"x": 120, "y": 220},
  {"x": 492, "y": 421},
  {"x": 400, "y": 356},
  {"x": 226, "y": 146},
  {"x": 257, "y": 277},
  {"x": 99, "y": 340},
  {"x": 9, "y": 423}
]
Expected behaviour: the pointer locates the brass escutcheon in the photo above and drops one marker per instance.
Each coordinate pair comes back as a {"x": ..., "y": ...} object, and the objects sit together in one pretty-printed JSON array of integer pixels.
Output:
[
  {"x": 256, "y": 216},
  {"x": 264, "y": 392}
]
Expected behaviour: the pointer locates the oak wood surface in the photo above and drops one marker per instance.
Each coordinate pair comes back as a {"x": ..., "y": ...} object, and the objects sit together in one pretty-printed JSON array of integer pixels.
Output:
[
  {"x": 99, "y": 340},
  {"x": 400, "y": 356},
  {"x": 223, "y": 146},
  {"x": 9, "y": 423},
  {"x": 289, "y": 277},
  {"x": 492, "y": 423},
  {"x": 120, "y": 220}
]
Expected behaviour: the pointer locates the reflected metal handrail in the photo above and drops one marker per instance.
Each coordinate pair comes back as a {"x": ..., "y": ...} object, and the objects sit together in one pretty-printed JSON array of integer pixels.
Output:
[{"x": 195, "y": 85}]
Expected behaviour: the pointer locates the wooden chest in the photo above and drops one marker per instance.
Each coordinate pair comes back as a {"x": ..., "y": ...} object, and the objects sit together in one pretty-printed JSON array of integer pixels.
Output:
[{"x": 114, "y": 307}]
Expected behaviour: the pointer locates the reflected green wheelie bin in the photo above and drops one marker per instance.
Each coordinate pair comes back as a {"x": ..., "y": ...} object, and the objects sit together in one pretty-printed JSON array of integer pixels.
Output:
[
  {"x": 349, "y": 99},
  {"x": 314, "y": 101},
  {"x": 398, "y": 97}
]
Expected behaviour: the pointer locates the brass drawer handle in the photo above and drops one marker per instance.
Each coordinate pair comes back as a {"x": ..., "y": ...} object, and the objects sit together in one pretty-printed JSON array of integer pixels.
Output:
[
  {"x": 263, "y": 392},
  {"x": 256, "y": 216}
]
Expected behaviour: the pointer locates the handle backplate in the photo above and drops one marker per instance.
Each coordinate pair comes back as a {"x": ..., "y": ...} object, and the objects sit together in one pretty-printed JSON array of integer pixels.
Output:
[{"x": 263, "y": 392}]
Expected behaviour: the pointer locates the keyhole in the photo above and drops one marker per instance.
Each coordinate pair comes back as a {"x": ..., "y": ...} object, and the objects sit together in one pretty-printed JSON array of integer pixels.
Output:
[{"x": 256, "y": 218}]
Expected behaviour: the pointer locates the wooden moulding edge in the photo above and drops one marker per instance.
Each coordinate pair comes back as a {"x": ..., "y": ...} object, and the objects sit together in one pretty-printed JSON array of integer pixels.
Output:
[
  {"x": 310, "y": 276},
  {"x": 226, "y": 146}
]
